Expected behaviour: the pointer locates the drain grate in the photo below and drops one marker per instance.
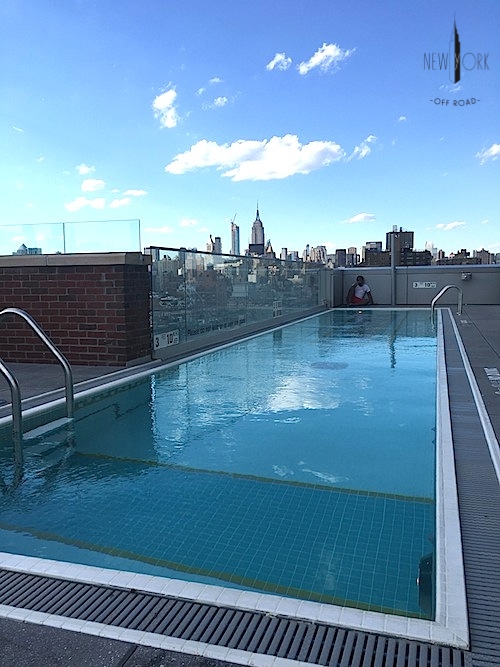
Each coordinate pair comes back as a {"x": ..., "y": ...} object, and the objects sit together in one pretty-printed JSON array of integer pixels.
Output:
[{"x": 309, "y": 642}]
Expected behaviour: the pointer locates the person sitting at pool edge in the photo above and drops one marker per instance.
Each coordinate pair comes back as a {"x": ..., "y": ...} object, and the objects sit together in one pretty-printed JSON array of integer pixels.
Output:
[{"x": 359, "y": 293}]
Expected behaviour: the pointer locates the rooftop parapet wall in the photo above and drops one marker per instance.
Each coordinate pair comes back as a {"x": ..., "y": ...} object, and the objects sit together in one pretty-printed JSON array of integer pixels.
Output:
[
  {"x": 94, "y": 307},
  {"x": 418, "y": 285}
]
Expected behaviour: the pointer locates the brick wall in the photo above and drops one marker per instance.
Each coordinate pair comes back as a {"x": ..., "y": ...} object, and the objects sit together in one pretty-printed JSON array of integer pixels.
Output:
[{"x": 94, "y": 308}]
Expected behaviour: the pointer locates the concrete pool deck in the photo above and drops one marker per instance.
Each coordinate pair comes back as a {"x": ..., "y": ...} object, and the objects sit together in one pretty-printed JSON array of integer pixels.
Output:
[{"x": 479, "y": 328}]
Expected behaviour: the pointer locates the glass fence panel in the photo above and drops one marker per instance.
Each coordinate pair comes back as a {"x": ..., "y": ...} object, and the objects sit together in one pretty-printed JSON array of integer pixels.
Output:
[
  {"x": 39, "y": 239},
  {"x": 103, "y": 236},
  {"x": 71, "y": 237},
  {"x": 197, "y": 294}
]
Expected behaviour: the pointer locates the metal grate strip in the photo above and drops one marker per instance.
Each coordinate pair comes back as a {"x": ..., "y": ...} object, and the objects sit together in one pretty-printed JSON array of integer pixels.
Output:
[
  {"x": 479, "y": 501},
  {"x": 314, "y": 643}
]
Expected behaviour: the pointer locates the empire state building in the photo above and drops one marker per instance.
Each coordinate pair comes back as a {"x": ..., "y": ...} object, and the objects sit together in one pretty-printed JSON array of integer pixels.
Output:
[{"x": 257, "y": 242}]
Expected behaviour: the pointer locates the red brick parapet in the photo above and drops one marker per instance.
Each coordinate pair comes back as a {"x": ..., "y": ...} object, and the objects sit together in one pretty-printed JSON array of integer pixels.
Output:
[{"x": 94, "y": 307}]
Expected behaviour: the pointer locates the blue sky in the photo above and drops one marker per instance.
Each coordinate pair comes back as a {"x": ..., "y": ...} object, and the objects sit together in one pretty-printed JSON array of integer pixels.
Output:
[{"x": 184, "y": 114}]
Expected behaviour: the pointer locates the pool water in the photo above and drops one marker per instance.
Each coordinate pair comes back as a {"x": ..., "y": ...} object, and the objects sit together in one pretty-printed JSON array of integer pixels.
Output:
[{"x": 300, "y": 462}]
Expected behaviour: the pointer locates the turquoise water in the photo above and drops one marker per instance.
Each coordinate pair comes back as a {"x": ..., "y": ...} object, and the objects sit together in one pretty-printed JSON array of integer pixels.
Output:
[{"x": 300, "y": 462}]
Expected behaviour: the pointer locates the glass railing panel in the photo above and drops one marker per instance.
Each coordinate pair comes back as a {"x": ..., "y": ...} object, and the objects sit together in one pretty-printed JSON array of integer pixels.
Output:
[
  {"x": 71, "y": 237},
  {"x": 39, "y": 239},
  {"x": 102, "y": 236},
  {"x": 196, "y": 294}
]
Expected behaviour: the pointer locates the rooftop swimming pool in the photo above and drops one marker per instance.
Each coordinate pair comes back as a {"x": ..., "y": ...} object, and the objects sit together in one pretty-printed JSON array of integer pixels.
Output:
[{"x": 300, "y": 462}]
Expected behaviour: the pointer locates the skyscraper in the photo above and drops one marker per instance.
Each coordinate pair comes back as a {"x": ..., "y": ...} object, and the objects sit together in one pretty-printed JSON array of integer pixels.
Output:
[
  {"x": 258, "y": 230},
  {"x": 235, "y": 239},
  {"x": 257, "y": 243}
]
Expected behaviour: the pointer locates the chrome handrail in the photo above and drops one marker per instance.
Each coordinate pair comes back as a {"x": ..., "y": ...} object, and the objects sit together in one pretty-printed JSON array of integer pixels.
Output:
[
  {"x": 68, "y": 375},
  {"x": 445, "y": 289},
  {"x": 15, "y": 397}
]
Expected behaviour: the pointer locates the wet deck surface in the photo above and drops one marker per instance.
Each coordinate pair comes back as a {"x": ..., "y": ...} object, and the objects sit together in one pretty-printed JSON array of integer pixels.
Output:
[{"x": 26, "y": 645}]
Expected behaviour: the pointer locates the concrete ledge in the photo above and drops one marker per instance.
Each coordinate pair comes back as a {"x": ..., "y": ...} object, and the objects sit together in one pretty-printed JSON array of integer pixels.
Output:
[{"x": 75, "y": 259}]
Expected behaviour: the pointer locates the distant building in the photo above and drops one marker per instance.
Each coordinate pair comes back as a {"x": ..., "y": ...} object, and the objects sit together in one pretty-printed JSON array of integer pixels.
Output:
[
  {"x": 340, "y": 257},
  {"x": 484, "y": 257},
  {"x": 429, "y": 245},
  {"x": 215, "y": 245},
  {"x": 415, "y": 258},
  {"x": 373, "y": 257},
  {"x": 460, "y": 257},
  {"x": 352, "y": 257},
  {"x": 257, "y": 243},
  {"x": 318, "y": 254},
  {"x": 235, "y": 239},
  {"x": 403, "y": 240},
  {"x": 269, "y": 252},
  {"x": 23, "y": 250},
  {"x": 370, "y": 246}
]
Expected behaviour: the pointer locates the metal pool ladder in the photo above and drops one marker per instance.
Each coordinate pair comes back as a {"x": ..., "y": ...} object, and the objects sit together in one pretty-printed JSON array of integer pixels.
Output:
[
  {"x": 445, "y": 289},
  {"x": 17, "y": 430}
]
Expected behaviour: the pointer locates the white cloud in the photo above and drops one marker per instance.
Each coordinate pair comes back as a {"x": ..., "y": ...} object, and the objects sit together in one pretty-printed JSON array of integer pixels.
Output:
[
  {"x": 84, "y": 170},
  {"x": 188, "y": 222},
  {"x": 164, "y": 109},
  {"x": 40, "y": 159},
  {"x": 327, "y": 57},
  {"x": 363, "y": 149},
  {"x": 81, "y": 202},
  {"x": 118, "y": 203},
  {"x": 18, "y": 129},
  {"x": 361, "y": 217},
  {"x": 160, "y": 230},
  {"x": 402, "y": 119},
  {"x": 213, "y": 81},
  {"x": 449, "y": 225},
  {"x": 220, "y": 101},
  {"x": 135, "y": 193},
  {"x": 280, "y": 61},
  {"x": 245, "y": 160},
  {"x": 491, "y": 153},
  {"x": 92, "y": 185}
]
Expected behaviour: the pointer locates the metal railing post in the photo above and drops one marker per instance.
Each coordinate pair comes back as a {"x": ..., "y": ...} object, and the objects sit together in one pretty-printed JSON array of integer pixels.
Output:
[
  {"x": 17, "y": 432},
  {"x": 445, "y": 289}
]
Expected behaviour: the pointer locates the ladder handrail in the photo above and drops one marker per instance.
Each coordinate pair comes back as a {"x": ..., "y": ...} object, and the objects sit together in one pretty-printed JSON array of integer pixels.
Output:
[
  {"x": 68, "y": 375},
  {"x": 15, "y": 397},
  {"x": 445, "y": 289}
]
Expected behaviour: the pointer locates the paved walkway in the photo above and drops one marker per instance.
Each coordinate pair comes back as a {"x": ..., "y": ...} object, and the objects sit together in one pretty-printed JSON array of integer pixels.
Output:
[{"x": 479, "y": 328}]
